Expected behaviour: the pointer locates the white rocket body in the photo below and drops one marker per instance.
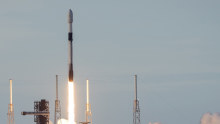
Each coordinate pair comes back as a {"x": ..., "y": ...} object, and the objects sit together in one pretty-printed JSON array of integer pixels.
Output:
[{"x": 70, "y": 39}]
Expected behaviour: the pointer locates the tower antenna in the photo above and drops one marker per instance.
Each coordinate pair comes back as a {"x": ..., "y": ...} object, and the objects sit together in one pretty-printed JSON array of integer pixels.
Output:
[
  {"x": 136, "y": 109},
  {"x": 57, "y": 114}
]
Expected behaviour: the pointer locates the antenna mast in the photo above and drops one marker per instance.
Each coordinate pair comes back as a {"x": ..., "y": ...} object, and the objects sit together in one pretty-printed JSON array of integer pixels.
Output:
[
  {"x": 57, "y": 105},
  {"x": 10, "y": 107},
  {"x": 136, "y": 110}
]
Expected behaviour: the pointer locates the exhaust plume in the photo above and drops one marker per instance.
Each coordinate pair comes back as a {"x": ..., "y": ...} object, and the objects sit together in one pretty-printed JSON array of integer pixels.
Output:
[
  {"x": 209, "y": 118},
  {"x": 63, "y": 121},
  {"x": 155, "y": 123}
]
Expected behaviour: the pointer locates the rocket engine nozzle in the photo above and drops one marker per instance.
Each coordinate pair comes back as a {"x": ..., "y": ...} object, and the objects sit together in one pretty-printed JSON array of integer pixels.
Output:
[{"x": 71, "y": 74}]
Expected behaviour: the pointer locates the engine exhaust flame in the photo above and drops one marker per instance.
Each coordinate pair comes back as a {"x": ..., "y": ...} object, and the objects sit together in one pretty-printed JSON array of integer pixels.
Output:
[{"x": 71, "y": 104}]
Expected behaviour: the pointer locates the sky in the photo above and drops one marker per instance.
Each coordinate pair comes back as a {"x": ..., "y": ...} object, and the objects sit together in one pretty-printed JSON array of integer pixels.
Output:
[{"x": 172, "y": 45}]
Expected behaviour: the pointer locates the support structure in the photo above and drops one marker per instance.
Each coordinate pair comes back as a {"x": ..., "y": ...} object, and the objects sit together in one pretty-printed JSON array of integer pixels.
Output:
[
  {"x": 57, "y": 114},
  {"x": 136, "y": 109},
  {"x": 10, "y": 107},
  {"x": 34, "y": 113},
  {"x": 41, "y": 112}
]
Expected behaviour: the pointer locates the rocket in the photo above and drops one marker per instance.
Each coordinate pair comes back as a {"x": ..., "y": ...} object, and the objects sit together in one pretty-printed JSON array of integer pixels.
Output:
[{"x": 70, "y": 40}]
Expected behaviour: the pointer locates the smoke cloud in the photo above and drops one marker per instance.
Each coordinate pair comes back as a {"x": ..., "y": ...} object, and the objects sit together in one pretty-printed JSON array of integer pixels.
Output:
[
  {"x": 63, "y": 121},
  {"x": 155, "y": 123},
  {"x": 50, "y": 122},
  {"x": 209, "y": 118}
]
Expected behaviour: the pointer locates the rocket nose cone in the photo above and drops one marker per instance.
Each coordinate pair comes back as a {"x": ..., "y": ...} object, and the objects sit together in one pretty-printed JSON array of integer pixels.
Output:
[{"x": 70, "y": 16}]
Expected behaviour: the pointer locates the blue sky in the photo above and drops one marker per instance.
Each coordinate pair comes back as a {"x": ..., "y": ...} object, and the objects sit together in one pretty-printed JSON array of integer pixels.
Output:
[{"x": 172, "y": 45}]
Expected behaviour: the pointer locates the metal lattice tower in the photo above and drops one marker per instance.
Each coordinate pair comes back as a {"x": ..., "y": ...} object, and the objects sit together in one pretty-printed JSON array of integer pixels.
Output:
[
  {"x": 41, "y": 112},
  {"x": 57, "y": 114},
  {"x": 136, "y": 109},
  {"x": 41, "y": 107},
  {"x": 10, "y": 107}
]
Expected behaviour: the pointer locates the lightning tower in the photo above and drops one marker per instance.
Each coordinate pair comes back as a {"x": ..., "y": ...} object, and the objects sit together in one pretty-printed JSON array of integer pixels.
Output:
[
  {"x": 136, "y": 110},
  {"x": 88, "y": 106},
  {"x": 57, "y": 114},
  {"x": 10, "y": 107}
]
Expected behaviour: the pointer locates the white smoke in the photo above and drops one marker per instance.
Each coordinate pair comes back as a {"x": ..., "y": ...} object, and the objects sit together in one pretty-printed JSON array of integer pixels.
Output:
[
  {"x": 155, "y": 123},
  {"x": 62, "y": 121},
  {"x": 50, "y": 122},
  {"x": 209, "y": 118}
]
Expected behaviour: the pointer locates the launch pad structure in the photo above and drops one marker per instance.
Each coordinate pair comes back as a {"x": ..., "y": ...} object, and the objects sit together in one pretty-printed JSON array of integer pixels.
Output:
[
  {"x": 41, "y": 112},
  {"x": 136, "y": 109}
]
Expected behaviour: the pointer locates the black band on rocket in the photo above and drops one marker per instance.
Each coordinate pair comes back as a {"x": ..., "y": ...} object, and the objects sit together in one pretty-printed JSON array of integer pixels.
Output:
[{"x": 70, "y": 37}]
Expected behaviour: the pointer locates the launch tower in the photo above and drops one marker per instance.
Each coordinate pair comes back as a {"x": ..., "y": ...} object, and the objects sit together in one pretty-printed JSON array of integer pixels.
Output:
[{"x": 41, "y": 112}]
